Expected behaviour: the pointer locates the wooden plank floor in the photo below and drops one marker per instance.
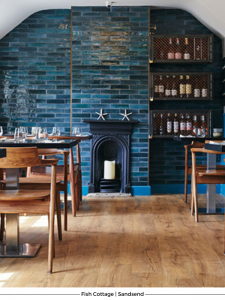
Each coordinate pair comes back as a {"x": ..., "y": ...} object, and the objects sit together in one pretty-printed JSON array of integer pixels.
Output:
[{"x": 127, "y": 242}]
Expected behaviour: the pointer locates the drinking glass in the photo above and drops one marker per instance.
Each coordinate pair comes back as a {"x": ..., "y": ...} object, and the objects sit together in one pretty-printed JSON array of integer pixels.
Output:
[
  {"x": 57, "y": 131},
  {"x": 1, "y": 131},
  {"x": 45, "y": 133},
  {"x": 18, "y": 134},
  {"x": 76, "y": 131},
  {"x": 24, "y": 132}
]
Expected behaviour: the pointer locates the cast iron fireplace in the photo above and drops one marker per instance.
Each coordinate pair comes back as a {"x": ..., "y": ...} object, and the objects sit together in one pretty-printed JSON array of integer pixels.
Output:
[{"x": 111, "y": 141}]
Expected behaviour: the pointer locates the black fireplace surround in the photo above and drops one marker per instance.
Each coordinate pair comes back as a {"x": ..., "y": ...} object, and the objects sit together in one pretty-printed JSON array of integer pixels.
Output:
[{"x": 111, "y": 141}]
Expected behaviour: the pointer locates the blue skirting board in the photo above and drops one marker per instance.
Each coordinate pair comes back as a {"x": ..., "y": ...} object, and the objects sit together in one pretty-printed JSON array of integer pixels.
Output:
[
  {"x": 179, "y": 189},
  {"x": 163, "y": 189}
]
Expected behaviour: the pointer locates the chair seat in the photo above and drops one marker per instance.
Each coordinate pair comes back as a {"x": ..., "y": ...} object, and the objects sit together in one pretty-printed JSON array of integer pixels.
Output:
[
  {"x": 204, "y": 167},
  {"x": 23, "y": 195},
  {"x": 37, "y": 180},
  {"x": 213, "y": 172}
]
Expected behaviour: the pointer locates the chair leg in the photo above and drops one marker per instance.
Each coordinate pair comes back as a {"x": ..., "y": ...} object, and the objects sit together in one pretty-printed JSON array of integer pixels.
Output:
[
  {"x": 65, "y": 208},
  {"x": 52, "y": 214},
  {"x": 72, "y": 184},
  {"x": 80, "y": 184},
  {"x": 192, "y": 197},
  {"x": 58, "y": 212},
  {"x": 185, "y": 184},
  {"x": 2, "y": 226},
  {"x": 196, "y": 203},
  {"x": 77, "y": 192}
]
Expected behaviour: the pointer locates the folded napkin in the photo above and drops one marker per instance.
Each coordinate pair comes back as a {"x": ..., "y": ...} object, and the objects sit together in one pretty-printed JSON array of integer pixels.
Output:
[
  {"x": 217, "y": 143},
  {"x": 5, "y": 139}
]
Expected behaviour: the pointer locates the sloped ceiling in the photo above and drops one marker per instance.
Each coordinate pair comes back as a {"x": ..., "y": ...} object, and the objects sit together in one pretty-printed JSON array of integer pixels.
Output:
[{"x": 209, "y": 12}]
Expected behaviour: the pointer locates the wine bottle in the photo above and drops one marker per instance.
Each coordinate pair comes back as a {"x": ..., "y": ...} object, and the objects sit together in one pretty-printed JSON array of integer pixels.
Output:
[
  {"x": 182, "y": 125},
  {"x": 161, "y": 126},
  {"x": 182, "y": 86},
  {"x": 169, "y": 124},
  {"x": 188, "y": 125},
  {"x": 188, "y": 87},
  {"x": 167, "y": 90},
  {"x": 174, "y": 88},
  {"x": 170, "y": 54},
  {"x": 175, "y": 125},
  {"x": 186, "y": 51},
  {"x": 161, "y": 87},
  {"x": 196, "y": 89},
  {"x": 178, "y": 54}
]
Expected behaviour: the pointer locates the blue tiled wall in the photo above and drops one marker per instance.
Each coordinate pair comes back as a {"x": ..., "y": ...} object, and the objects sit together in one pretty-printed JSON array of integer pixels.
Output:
[
  {"x": 110, "y": 71},
  {"x": 35, "y": 72}
]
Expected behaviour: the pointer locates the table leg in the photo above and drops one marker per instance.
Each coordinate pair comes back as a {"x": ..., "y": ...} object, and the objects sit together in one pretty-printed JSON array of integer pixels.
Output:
[
  {"x": 72, "y": 183},
  {"x": 12, "y": 247},
  {"x": 211, "y": 188}
]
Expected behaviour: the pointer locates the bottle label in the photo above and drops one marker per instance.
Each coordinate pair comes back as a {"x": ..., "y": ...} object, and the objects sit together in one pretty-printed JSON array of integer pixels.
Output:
[
  {"x": 189, "y": 126},
  {"x": 182, "y": 125},
  {"x": 178, "y": 55},
  {"x": 161, "y": 88},
  {"x": 171, "y": 55},
  {"x": 196, "y": 93},
  {"x": 169, "y": 126},
  {"x": 182, "y": 88},
  {"x": 187, "y": 56},
  {"x": 188, "y": 89},
  {"x": 167, "y": 92},
  {"x": 174, "y": 92},
  {"x": 176, "y": 126},
  {"x": 204, "y": 92},
  {"x": 156, "y": 88}
]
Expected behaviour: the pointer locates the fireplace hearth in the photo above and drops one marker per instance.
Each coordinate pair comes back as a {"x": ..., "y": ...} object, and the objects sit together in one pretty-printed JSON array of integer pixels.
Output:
[{"x": 111, "y": 141}]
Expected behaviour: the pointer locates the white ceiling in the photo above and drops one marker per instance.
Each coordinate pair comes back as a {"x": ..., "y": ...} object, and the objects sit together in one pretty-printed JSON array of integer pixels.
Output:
[{"x": 209, "y": 12}]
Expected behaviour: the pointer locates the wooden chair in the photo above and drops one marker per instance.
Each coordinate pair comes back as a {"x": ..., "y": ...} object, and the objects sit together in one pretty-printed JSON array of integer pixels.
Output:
[
  {"x": 75, "y": 178},
  {"x": 62, "y": 174},
  {"x": 188, "y": 168},
  {"x": 203, "y": 176},
  {"x": 24, "y": 201}
]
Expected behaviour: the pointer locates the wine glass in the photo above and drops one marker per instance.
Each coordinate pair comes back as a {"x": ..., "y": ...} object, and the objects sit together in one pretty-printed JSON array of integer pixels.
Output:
[
  {"x": 24, "y": 132},
  {"x": 45, "y": 133},
  {"x": 18, "y": 134},
  {"x": 1, "y": 131}
]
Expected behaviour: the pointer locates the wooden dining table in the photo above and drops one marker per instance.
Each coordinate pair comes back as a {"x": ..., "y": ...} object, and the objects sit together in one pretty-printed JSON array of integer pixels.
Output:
[{"x": 12, "y": 246}]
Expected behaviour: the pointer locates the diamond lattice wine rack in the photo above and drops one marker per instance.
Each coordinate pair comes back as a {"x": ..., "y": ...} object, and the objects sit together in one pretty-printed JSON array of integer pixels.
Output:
[
  {"x": 170, "y": 123},
  {"x": 181, "y": 86},
  {"x": 181, "y": 48}
]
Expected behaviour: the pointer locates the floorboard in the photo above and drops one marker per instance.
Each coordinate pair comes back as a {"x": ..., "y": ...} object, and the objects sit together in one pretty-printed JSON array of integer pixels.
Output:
[{"x": 125, "y": 242}]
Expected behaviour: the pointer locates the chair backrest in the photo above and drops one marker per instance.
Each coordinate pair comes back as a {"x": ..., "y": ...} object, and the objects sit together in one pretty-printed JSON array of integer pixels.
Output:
[{"x": 20, "y": 157}]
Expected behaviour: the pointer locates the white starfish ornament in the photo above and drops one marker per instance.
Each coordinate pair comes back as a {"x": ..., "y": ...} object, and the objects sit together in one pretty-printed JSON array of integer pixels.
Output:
[
  {"x": 125, "y": 115},
  {"x": 101, "y": 115}
]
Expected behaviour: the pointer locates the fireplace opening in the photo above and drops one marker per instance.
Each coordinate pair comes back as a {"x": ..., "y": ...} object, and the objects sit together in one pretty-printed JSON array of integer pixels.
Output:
[
  {"x": 110, "y": 142},
  {"x": 109, "y": 151}
]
